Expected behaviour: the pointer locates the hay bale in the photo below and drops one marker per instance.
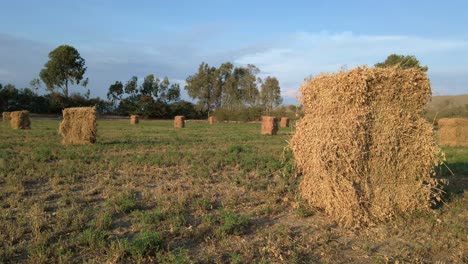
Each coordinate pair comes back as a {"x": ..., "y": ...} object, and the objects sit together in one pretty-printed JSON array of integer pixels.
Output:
[
  {"x": 211, "y": 120},
  {"x": 453, "y": 132},
  {"x": 6, "y": 117},
  {"x": 269, "y": 125},
  {"x": 284, "y": 122},
  {"x": 364, "y": 150},
  {"x": 20, "y": 120},
  {"x": 179, "y": 122},
  {"x": 134, "y": 119},
  {"x": 78, "y": 126}
]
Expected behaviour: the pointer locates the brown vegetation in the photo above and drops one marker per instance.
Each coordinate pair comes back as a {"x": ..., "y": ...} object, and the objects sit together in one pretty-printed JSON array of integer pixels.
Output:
[
  {"x": 78, "y": 125},
  {"x": 284, "y": 122},
  {"x": 211, "y": 120},
  {"x": 134, "y": 119},
  {"x": 6, "y": 117},
  {"x": 179, "y": 122},
  {"x": 366, "y": 153},
  {"x": 269, "y": 125},
  {"x": 20, "y": 120},
  {"x": 453, "y": 132}
]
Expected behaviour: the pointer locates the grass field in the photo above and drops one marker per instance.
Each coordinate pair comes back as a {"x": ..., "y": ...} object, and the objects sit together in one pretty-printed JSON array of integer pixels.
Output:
[{"x": 203, "y": 194}]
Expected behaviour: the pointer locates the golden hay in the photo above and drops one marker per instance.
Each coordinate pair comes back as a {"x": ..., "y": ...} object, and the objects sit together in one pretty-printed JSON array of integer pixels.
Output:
[
  {"x": 269, "y": 125},
  {"x": 211, "y": 120},
  {"x": 134, "y": 119},
  {"x": 20, "y": 120},
  {"x": 78, "y": 125},
  {"x": 364, "y": 150},
  {"x": 284, "y": 122},
  {"x": 179, "y": 122},
  {"x": 453, "y": 132},
  {"x": 6, "y": 117}
]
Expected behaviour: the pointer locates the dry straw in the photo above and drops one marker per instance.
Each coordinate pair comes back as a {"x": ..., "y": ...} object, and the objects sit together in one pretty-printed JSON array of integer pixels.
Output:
[
  {"x": 134, "y": 119},
  {"x": 453, "y": 132},
  {"x": 179, "y": 122},
  {"x": 20, "y": 120},
  {"x": 6, "y": 117},
  {"x": 211, "y": 120},
  {"x": 365, "y": 152},
  {"x": 284, "y": 122},
  {"x": 269, "y": 125},
  {"x": 78, "y": 125}
]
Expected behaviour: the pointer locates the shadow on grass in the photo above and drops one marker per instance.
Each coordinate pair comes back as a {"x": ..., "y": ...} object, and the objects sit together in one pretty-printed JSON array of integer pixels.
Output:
[{"x": 457, "y": 175}]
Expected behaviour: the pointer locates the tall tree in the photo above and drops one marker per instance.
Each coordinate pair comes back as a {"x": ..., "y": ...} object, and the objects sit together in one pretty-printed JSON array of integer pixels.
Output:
[
  {"x": 150, "y": 86},
  {"x": 248, "y": 84},
  {"x": 405, "y": 62},
  {"x": 65, "y": 67},
  {"x": 131, "y": 87},
  {"x": 270, "y": 94},
  {"x": 115, "y": 92},
  {"x": 173, "y": 93},
  {"x": 201, "y": 86}
]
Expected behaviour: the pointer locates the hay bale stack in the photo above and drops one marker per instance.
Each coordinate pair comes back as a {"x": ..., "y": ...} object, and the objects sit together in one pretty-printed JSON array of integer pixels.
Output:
[
  {"x": 6, "y": 117},
  {"x": 284, "y": 122},
  {"x": 453, "y": 132},
  {"x": 134, "y": 119},
  {"x": 365, "y": 151},
  {"x": 211, "y": 120},
  {"x": 269, "y": 125},
  {"x": 78, "y": 126},
  {"x": 20, "y": 120},
  {"x": 179, "y": 122}
]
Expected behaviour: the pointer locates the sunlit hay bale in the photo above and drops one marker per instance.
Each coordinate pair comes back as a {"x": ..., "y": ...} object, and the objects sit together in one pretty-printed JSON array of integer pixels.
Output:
[
  {"x": 453, "y": 132},
  {"x": 134, "y": 119},
  {"x": 78, "y": 126},
  {"x": 365, "y": 152},
  {"x": 211, "y": 120},
  {"x": 20, "y": 120},
  {"x": 284, "y": 122},
  {"x": 6, "y": 117},
  {"x": 269, "y": 125},
  {"x": 179, "y": 122}
]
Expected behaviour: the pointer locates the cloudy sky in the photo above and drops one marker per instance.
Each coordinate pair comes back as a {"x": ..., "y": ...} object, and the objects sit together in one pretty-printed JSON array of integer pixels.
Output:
[{"x": 288, "y": 39}]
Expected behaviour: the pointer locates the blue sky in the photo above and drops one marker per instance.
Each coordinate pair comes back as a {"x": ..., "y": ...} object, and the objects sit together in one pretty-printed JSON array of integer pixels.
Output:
[{"x": 287, "y": 39}]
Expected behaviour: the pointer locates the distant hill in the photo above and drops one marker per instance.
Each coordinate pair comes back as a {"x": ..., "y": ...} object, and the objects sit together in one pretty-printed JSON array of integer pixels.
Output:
[{"x": 447, "y": 106}]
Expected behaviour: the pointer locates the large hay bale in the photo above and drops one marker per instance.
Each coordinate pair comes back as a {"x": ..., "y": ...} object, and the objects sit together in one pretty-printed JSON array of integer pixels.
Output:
[
  {"x": 453, "y": 132},
  {"x": 6, "y": 117},
  {"x": 269, "y": 125},
  {"x": 179, "y": 122},
  {"x": 284, "y": 122},
  {"x": 365, "y": 152},
  {"x": 211, "y": 120},
  {"x": 134, "y": 119},
  {"x": 78, "y": 125},
  {"x": 20, "y": 120}
]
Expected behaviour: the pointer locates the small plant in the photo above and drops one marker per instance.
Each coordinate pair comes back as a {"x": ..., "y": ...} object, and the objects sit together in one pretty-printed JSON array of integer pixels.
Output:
[
  {"x": 232, "y": 223},
  {"x": 126, "y": 203},
  {"x": 93, "y": 238},
  {"x": 146, "y": 243}
]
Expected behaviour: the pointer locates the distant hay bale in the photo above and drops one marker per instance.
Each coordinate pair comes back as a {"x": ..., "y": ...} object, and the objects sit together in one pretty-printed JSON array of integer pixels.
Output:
[
  {"x": 78, "y": 126},
  {"x": 6, "y": 117},
  {"x": 211, "y": 120},
  {"x": 134, "y": 119},
  {"x": 20, "y": 120},
  {"x": 179, "y": 122},
  {"x": 453, "y": 132},
  {"x": 365, "y": 152},
  {"x": 284, "y": 122},
  {"x": 269, "y": 125}
]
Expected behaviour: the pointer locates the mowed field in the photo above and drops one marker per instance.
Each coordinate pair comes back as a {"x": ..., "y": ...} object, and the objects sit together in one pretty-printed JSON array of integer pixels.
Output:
[{"x": 218, "y": 193}]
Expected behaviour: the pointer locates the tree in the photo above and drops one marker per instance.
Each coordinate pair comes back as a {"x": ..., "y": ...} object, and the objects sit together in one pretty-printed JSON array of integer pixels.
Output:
[
  {"x": 150, "y": 86},
  {"x": 115, "y": 92},
  {"x": 173, "y": 93},
  {"x": 270, "y": 94},
  {"x": 65, "y": 67},
  {"x": 404, "y": 62},
  {"x": 131, "y": 87},
  {"x": 201, "y": 86}
]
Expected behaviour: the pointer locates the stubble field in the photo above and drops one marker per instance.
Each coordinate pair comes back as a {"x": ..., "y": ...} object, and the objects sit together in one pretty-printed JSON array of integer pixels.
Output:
[{"x": 218, "y": 193}]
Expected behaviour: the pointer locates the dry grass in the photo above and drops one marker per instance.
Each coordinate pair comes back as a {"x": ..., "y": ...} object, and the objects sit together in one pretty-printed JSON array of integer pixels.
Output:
[
  {"x": 366, "y": 153},
  {"x": 204, "y": 194},
  {"x": 20, "y": 120},
  {"x": 269, "y": 125},
  {"x": 453, "y": 132},
  {"x": 211, "y": 120},
  {"x": 78, "y": 126},
  {"x": 134, "y": 119},
  {"x": 284, "y": 122},
  {"x": 6, "y": 117},
  {"x": 179, "y": 122}
]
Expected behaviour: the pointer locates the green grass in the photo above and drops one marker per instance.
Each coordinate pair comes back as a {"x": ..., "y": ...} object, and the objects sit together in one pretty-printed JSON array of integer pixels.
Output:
[{"x": 203, "y": 194}]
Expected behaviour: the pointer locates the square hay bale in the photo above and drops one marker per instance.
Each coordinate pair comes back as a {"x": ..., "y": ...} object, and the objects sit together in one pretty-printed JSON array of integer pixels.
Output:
[
  {"x": 211, "y": 120},
  {"x": 179, "y": 121},
  {"x": 20, "y": 120},
  {"x": 78, "y": 126},
  {"x": 365, "y": 152},
  {"x": 134, "y": 119},
  {"x": 6, "y": 117},
  {"x": 284, "y": 122},
  {"x": 269, "y": 125},
  {"x": 453, "y": 132}
]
